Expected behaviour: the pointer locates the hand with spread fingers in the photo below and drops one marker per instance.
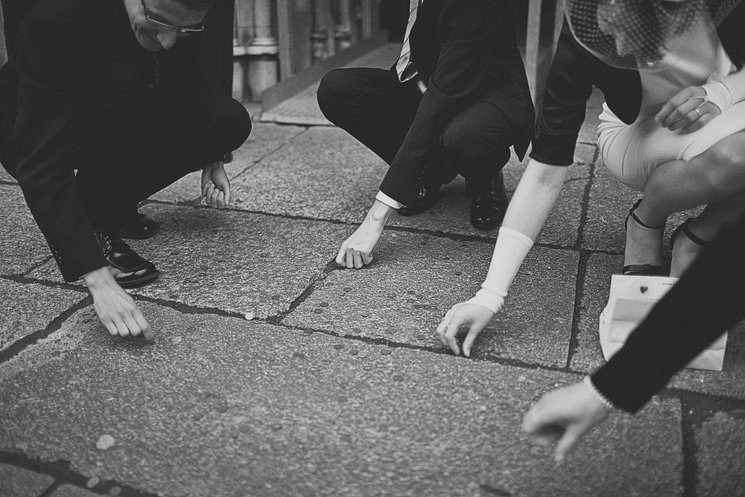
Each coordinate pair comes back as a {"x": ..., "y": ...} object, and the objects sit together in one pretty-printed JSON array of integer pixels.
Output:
[
  {"x": 463, "y": 318},
  {"x": 563, "y": 416},
  {"x": 215, "y": 185},
  {"x": 688, "y": 110}
]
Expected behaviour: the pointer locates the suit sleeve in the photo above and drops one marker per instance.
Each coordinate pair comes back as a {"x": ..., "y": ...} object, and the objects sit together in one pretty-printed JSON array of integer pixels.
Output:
[
  {"x": 44, "y": 147},
  {"x": 462, "y": 65},
  {"x": 707, "y": 300}
]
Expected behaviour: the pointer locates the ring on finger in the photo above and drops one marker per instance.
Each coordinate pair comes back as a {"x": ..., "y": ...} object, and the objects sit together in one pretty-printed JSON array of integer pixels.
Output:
[{"x": 698, "y": 112}]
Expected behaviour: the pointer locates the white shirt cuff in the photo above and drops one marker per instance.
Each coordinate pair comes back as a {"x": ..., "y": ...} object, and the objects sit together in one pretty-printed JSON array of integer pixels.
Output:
[{"x": 393, "y": 204}]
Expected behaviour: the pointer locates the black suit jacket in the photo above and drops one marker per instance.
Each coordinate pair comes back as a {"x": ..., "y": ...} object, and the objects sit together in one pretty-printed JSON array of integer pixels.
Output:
[
  {"x": 72, "y": 64},
  {"x": 464, "y": 50}
]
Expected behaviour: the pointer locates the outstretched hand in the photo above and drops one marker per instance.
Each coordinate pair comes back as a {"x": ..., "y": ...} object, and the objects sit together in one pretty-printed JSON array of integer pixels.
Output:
[
  {"x": 115, "y": 307},
  {"x": 563, "y": 416},
  {"x": 467, "y": 317},
  {"x": 215, "y": 185}
]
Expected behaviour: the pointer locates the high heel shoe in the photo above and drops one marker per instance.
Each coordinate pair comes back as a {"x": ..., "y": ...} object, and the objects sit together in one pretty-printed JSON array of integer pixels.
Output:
[{"x": 641, "y": 269}]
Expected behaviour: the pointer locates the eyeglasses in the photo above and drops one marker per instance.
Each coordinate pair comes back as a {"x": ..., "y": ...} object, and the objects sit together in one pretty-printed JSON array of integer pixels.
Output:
[{"x": 182, "y": 30}]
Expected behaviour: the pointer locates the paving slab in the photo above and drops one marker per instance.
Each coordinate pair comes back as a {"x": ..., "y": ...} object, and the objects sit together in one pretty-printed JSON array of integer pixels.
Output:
[
  {"x": 19, "y": 482},
  {"x": 587, "y": 356},
  {"x": 21, "y": 243},
  {"x": 30, "y": 307},
  {"x": 230, "y": 260},
  {"x": 225, "y": 407},
  {"x": 415, "y": 279},
  {"x": 322, "y": 173},
  {"x": 720, "y": 458},
  {"x": 332, "y": 189},
  {"x": 264, "y": 140}
]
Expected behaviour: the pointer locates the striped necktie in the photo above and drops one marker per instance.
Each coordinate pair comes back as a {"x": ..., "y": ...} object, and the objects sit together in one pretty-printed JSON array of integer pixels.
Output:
[{"x": 405, "y": 66}]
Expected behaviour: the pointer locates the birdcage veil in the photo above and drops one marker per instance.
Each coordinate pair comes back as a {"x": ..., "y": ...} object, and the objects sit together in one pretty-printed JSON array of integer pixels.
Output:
[{"x": 636, "y": 33}]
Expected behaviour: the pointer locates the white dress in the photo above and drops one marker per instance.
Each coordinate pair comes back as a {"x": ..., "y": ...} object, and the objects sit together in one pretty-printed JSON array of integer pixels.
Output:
[{"x": 631, "y": 152}]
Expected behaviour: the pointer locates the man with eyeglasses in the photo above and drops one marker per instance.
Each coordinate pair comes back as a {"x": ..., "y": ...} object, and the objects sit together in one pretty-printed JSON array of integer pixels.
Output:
[{"x": 102, "y": 104}]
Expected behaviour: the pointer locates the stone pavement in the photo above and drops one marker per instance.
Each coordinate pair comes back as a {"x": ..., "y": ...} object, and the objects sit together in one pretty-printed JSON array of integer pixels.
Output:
[{"x": 274, "y": 373}]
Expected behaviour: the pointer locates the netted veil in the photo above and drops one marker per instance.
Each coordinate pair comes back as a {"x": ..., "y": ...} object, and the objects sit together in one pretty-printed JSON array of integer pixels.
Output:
[{"x": 636, "y": 33}]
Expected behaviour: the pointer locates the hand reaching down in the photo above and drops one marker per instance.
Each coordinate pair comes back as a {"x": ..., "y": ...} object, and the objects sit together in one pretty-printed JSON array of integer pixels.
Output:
[
  {"x": 215, "y": 185},
  {"x": 563, "y": 416}
]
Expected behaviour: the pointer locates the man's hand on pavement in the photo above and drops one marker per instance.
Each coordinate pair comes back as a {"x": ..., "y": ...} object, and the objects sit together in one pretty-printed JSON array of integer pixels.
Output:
[
  {"x": 215, "y": 185},
  {"x": 115, "y": 308},
  {"x": 357, "y": 250},
  {"x": 467, "y": 317}
]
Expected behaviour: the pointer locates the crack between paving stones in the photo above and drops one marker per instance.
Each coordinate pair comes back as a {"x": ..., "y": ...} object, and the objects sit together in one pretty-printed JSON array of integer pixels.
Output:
[
  {"x": 272, "y": 152},
  {"x": 503, "y": 361},
  {"x": 279, "y": 317},
  {"x": 696, "y": 408},
  {"x": 27, "y": 341},
  {"x": 457, "y": 237},
  {"x": 63, "y": 474},
  {"x": 19, "y": 278},
  {"x": 584, "y": 257}
]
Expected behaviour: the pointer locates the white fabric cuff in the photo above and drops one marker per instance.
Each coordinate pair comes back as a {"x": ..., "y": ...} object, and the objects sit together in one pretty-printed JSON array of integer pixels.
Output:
[
  {"x": 718, "y": 93},
  {"x": 393, "y": 204},
  {"x": 488, "y": 299},
  {"x": 509, "y": 252}
]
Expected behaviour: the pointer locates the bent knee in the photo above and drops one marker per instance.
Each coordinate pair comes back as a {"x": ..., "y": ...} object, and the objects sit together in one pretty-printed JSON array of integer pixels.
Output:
[
  {"x": 725, "y": 163},
  {"x": 233, "y": 127},
  {"x": 333, "y": 93}
]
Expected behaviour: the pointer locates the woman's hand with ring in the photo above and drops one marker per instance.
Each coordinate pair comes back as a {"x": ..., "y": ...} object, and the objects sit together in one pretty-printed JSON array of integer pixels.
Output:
[{"x": 689, "y": 110}]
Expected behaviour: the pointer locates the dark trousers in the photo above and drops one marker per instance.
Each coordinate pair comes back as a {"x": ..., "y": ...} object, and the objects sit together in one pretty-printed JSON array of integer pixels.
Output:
[
  {"x": 142, "y": 147},
  {"x": 374, "y": 107}
]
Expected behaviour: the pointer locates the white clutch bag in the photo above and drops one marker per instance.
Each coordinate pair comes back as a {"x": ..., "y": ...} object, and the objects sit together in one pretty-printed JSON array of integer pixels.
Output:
[{"x": 630, "y": 300}]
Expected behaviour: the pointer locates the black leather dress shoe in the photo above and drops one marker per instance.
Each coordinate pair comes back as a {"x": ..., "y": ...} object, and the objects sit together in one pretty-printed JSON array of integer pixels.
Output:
[
  {"x": 489, "y": 205},
  {"x": 121, "y": 256},
  {"x": 138, "y": 227},
  {"x": 426, "y": 197}
]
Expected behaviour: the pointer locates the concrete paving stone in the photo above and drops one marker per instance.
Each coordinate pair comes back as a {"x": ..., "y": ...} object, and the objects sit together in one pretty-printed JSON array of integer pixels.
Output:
[
  {"x": 415, "y": 279},
  {"x": 720, "y": 457},
  {"x": 323, "y": 157},
  {"x": 72, "y": 491},
  {"x": 29, "y": 307},
  {"x": 264, "y": 139},
  {"x": 322, "y": 173},
  {"x": 587, "y": 357},
  {"x": 231, "y": 260},
  {"x": 22, "y": 245},
  {"x": 219, "y": 407},
  {"x": 19, "y": 482}
]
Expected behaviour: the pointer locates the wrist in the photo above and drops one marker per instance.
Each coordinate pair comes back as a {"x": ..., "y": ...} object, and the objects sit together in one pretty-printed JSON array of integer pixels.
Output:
[
  {"x": 379, "y": 213},
  {"x": 98, "y": 278},
  {"x": 597, "y": 395},
  {"x": 718, "y": 93}
]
